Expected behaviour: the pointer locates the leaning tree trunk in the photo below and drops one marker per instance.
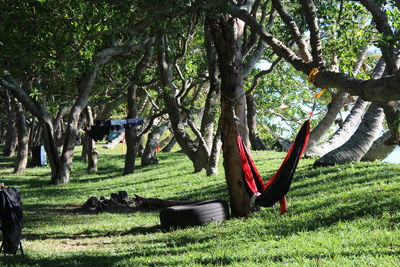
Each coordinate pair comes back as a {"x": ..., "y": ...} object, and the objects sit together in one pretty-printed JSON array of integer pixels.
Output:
[
  {"x": 170, "y": 145},
  {"x": 178, "y": 120},
  {"x": 335, "y": 105},
  {"x": 23, "y": 137},
  {"x": 149, "y": 155},
  {"x": 360, "y": 142},
  {"x": 165, "y": 142},
  {"x": 353, "y": 119},
  {"x": 11, "y": 141},
  {"x": 323, "y": 126},
  {"x": 227, "y": 35},
  {"x": 71, "y": 131},
  {"x": 255, "y": 140},
  {"x": 343, "y": 133},
  {"x": 379, "y": 149}
]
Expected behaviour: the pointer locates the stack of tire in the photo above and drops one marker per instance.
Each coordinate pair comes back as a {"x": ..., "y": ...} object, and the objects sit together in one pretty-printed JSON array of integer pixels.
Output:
[{"x": 201, "y": 213}]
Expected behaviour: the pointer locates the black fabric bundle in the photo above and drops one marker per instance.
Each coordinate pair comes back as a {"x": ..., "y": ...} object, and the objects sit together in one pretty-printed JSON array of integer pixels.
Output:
[{"x": 11, "y": 214}]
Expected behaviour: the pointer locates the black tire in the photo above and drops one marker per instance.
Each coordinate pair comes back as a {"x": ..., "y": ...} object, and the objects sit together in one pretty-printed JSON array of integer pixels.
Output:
[{"x": 201, "y": 213}]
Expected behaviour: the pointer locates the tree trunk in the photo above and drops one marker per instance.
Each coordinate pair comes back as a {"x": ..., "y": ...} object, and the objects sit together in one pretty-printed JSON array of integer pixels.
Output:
[
  {"x": 227, "y": 35},
  {"x": 150, "y": 153},
  {"x": 11, "y": 142},
  {"x": 23, "y": 138},
  {"x": 343, "y": 133},
  {"x": 84, "y": 86},
  {"x": 90, "y": 145},
  {"x": 170, "y": 145},
  {"x": 379, "y": 150},
  {"x": 392, "y": 115},
  {"x": 212, "y": 166},
  {"x": 359, "y": 143},
  {"x": 323, "y": 126},
  {"x": 214, "y": 93},
  {"x": 131, "y": 136},
  {"x": 58, "y": 126},
  {"x": 166, "y": 141},
  {"x": 177, "y": 119},
  {"x": 255, "y": 140},
  {"x": 58, "y": 120},
  {"x": 35, "y": 138}
]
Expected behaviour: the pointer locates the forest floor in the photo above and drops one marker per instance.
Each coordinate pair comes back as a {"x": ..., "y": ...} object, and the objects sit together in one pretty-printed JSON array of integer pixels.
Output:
[{"x": 346, "y": 215}]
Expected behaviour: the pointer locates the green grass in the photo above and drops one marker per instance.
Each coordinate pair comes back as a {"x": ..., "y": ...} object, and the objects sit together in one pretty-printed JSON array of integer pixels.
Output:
[{"x": 338, "y": 216}]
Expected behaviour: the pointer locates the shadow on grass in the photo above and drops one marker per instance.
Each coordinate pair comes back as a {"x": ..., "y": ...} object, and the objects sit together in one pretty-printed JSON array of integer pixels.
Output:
[
  {"x": 139, "y": 230},
  {"x": 152, "y": 257}
]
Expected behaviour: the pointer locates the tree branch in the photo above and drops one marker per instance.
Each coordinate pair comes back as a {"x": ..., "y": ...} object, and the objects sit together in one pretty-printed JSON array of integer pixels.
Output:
[
  {"x": 291, "y": 24},
  {"x": 376, "y": 90},
  {"x": 151, "y": 121},
  {"x": 312, "y": 21},
  {"x": 262, "y": 73},
  {"x": 382, "y": 25},
  {"x": 199, "y": 136},
  {"x": 279, "y": 47},
  {"x": 11, "y": 84}
]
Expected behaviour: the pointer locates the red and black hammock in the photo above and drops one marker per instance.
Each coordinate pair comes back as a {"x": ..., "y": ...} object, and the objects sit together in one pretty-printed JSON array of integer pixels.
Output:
[{"x": 266, "y": 195}]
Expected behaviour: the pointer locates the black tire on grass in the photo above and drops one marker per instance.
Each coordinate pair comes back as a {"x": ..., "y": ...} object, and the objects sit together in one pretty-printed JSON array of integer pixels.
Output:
[{"x": 194, "y": 214}]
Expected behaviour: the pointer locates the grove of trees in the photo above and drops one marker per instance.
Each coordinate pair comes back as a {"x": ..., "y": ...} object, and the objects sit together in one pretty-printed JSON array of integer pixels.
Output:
[{"x": 201, "y": 72}]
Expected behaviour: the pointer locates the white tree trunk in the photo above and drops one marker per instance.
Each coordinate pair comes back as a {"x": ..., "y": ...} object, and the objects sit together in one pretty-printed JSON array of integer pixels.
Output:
[
  {"x": 359, "y": 143},
  {"x": 379, "y": 150}
]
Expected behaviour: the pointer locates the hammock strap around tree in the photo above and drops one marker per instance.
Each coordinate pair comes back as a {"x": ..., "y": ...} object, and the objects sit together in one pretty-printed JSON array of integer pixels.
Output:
[{"x": 268, "y": 194}]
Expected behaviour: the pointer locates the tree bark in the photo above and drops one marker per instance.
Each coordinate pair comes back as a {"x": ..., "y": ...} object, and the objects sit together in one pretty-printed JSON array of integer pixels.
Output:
[
  {"x": 149, "y": 155},
  {"x": 359, "y": 143},
  {"x": 23, "y": 138},
  {"x": 84, "y": 85},
  {"x": 343, "y": 133},
  {"x": 354, "y": 118},
  {"x": 164, "y": 142},
  {"x": 255, "y": 140},
  {"x": 338, "y": 100},
  {"x": 177, "y": 119},
  {"x": 131, "y": 135},
  {"x": 89, "y": 152},
  {"x": 170, "y": 145},
  {"x": 379, "y": 150},
  {"x": 58, "y": 125},
  {"x": 212, "y": 166},
  {"x": 323, "y": 126},
  {"x": 227, "y": 35},
  {"x": 11, "y": 141}
]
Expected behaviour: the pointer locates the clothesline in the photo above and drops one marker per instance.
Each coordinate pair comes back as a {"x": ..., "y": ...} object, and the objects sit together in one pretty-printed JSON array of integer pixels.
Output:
[{"x": 124, "y": 123}]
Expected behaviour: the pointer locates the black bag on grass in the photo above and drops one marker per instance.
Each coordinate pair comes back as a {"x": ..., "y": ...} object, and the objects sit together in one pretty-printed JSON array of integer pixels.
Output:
[{"x": 11, "y": 219}]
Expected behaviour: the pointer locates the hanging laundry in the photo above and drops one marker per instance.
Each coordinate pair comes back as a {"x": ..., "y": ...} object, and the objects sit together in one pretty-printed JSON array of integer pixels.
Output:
[
  {"x": 118, "y": 122},
  {"x": 97, "y": 133},
  {"x": 134, "y": 122},
  {"x": 109, "y": 128}
]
